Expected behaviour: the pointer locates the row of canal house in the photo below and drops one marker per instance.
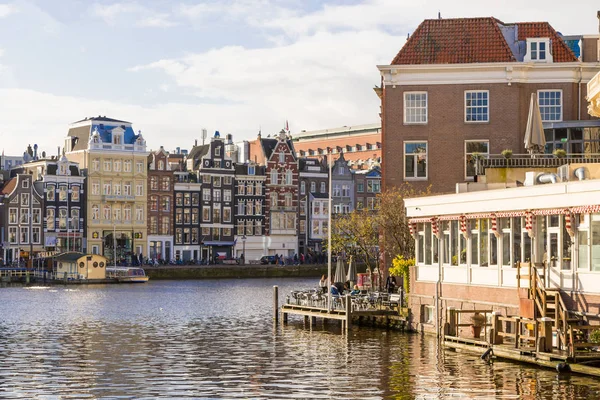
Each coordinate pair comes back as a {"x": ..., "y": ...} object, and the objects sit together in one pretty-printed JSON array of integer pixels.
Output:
[
  {"x": 109, "y": 195},
  {"x": 43, "y": 209}
]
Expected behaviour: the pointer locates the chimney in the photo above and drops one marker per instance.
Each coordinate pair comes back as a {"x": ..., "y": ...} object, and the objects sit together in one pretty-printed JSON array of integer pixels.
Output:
[{"x": 196, "y": 142}]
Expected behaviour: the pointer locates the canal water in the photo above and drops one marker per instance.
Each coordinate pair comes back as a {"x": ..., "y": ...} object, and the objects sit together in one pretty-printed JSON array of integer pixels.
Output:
[{"x": 216, "y": 339}]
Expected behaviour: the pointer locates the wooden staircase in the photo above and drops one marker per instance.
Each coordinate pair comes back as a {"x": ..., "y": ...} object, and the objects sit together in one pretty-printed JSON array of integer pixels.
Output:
[{"x": 571, "y": 329}]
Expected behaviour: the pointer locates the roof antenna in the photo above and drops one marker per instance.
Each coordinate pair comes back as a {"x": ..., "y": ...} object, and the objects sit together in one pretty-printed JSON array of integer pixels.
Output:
[
  {"x": 408, "y": 36},
  {"x": 439, "y": 15}
]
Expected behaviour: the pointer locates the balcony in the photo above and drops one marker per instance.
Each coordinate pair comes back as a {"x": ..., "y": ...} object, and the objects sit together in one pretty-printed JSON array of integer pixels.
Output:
[{"x": 112, "y": 197}]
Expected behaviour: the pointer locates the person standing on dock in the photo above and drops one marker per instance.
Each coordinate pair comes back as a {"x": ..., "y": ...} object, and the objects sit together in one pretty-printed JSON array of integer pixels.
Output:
[
  {"x": 323, "y": 284},
  {"x": 390, "y": 284}
]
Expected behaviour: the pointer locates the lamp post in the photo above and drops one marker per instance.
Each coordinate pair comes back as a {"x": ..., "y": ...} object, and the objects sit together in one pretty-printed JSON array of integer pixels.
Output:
[
  {"x": 244, "y": 249},
  {"x": 114, "y": 245}
]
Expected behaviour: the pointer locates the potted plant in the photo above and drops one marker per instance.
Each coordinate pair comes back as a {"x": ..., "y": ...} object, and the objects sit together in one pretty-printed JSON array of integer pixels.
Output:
[
  {"x": 477, "y": 322},
  {"x": 507, "y": 153},
  {"x": 560, "y": 153}
]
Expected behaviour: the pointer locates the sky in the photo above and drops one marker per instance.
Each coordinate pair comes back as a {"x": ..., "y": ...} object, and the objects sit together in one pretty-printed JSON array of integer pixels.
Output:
[{"x": 174, "y": 67}]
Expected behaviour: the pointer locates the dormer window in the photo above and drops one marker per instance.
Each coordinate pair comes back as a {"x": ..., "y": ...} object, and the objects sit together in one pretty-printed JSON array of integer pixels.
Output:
[
  {"x": 117, "y": 138},
  {"x": 251, "y": 170},
  {"x": 282, "y": 157},
  {"x": 218, "y": 151},
  {"x": 538, "y": 50}
]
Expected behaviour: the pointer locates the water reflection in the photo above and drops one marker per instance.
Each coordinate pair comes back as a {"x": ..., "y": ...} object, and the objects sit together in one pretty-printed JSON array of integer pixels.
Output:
[{"x": 202, "y": 339}]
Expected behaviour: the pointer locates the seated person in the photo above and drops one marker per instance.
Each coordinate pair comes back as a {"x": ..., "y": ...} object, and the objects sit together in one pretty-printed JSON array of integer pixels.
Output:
[
  {"x": 334, "y": 290},
  {"x": 355, "y": 291}
]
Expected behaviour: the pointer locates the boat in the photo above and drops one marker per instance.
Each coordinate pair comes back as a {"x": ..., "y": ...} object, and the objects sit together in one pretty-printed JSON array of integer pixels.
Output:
[{"x": 127, "y": 274}]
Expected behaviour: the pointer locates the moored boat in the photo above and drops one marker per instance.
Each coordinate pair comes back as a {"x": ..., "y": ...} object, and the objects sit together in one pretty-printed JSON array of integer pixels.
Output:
[{"x": 127, "y": 274}]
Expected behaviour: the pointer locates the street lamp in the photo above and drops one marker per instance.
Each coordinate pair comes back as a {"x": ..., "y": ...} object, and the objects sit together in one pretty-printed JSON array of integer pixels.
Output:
[{"x": 244, "y": 249}]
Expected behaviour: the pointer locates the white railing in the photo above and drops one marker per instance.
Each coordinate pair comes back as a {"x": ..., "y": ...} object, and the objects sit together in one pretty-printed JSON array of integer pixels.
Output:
[{"x": 527, "y": 161}]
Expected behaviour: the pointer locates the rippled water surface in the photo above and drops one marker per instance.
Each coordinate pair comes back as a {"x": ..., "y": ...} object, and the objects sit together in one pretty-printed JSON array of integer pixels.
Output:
[{"x": 216, "y": 339}]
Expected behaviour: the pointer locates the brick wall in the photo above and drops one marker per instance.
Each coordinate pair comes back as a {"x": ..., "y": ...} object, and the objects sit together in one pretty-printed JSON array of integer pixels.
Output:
[{"x": 446, "y": 130}]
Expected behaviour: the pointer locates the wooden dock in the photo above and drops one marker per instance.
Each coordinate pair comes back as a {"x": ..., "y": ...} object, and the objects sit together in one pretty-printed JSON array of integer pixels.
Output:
[{"x": 345, "y": 313}]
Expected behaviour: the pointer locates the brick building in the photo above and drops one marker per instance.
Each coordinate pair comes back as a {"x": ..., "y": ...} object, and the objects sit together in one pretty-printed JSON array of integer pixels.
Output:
[
  {"x": 281, "y": 194},
  {"x": 160, "y": 206},
  {"x": 20, "y": 219},
  {"x": 360, "y": 144},
  {"x": 249, "y": 211},
  {"x": 186, "y": 225},
  {"x": 62, "y": 184},
  {"x": 367, "y": 185},
  {"x": 462, "y": 86},
  {"x": 314, "y": 204}
]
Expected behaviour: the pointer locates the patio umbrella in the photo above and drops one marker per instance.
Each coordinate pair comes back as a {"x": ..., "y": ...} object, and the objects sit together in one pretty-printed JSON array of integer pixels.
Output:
[
  {"x": 535, "y": 140},
  {"x": 340, "y": 271},
  {"x": 351, "y": 272}
]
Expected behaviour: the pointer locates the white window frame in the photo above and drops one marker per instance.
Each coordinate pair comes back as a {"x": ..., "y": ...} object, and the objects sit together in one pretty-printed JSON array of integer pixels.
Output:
[
  {"x": 411, "y": 121},
  {"x": 548, "y": 44},
  {"x": 476, "y": 106},
  {"x": 416, "y": 178},
  {"x": 548, "y": 105}
]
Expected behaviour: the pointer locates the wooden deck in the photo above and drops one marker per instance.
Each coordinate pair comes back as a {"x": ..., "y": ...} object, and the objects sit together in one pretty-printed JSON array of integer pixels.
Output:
[
  {"x": 312, "y": 313},
  {"x": 525, "y": 354}
]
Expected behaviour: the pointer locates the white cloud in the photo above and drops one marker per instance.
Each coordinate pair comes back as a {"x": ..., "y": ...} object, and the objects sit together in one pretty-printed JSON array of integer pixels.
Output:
[
  {"x": 156, "y": 21},
  {"x": 7, "y": 9},
  {"x": 313, "y": 82},
  {"x": 144, "y": 16}
]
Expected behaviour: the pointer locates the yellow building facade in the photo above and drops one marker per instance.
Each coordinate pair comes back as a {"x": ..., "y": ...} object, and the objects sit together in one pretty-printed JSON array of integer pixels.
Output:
[{"x": 115, "y": 158}]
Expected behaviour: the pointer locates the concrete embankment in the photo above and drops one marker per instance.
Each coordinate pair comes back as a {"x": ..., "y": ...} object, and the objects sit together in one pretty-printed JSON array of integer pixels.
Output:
[{"x": 234, "y": 271}]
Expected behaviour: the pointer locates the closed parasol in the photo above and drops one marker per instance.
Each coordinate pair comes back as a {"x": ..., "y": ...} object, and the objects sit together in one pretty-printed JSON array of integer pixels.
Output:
[{"x": 535, "y": 140}]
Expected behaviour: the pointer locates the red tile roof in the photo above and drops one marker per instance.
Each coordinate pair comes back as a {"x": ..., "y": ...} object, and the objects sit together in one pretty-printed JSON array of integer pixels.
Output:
[
  {"x": 473, "y": 40},
  {"x": 455, "y": 41},
  {"x": 560, "y": 51},
  {"x": 9, "y": 186}
]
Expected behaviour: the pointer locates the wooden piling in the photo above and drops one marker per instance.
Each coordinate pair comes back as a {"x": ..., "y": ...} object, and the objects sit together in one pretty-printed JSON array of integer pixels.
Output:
[
  {"x": 275, "y": 303},
  {"x": 348, "y": 312}
]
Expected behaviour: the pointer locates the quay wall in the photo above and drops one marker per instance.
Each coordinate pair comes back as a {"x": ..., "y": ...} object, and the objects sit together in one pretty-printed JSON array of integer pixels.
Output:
[{"x": 234, "y": 271}]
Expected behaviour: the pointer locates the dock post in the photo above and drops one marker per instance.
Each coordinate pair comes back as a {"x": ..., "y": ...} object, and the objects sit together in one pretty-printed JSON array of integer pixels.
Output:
[
  {"x": 452, "y": 321},
  {"x": 495, "y": 337},
  {"x": 275, "y": 303},
  {"x": 285, "y": 317},
  {"x": 27, "y": 277},
  {"x": 65, "y": 278},
  {"x": 545, "y": 336},
  {"x": 517, "y": 332},
  {"x": 348, "y": 312}
]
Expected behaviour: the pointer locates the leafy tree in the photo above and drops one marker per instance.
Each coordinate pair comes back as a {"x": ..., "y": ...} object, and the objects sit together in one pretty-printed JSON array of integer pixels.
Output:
[
  {"x": 357, "y": 234},
  {"x": 369, "y": 235}
]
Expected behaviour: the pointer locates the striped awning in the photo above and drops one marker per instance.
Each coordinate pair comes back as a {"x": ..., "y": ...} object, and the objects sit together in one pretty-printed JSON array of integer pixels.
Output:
[
  {"x": 586, "y": 209},
  {"x": 507, "y": 214}
]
